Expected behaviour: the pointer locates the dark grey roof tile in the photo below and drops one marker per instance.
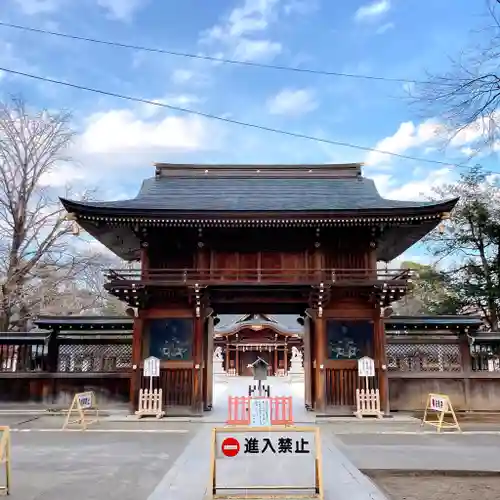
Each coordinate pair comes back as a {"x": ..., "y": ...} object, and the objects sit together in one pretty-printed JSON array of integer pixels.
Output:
[{"x": 257, "y": 194}]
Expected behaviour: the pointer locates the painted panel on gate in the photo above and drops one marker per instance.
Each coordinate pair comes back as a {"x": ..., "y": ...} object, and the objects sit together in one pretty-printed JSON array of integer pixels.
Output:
[
  {"x": 349, "y": 339},
  {"x": 171, "y": 339}
]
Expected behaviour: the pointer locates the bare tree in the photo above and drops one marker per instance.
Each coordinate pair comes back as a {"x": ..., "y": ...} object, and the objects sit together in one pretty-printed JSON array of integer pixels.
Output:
[
  {"x": 466, "y": 97},
  {"x": 74, "y": 290},
  {"x": 34, "y": 235}
]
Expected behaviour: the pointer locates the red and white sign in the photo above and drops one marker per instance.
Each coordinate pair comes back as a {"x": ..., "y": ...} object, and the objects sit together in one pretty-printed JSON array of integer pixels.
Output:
[
  {"x": 438, "y": 403},
  {"x": 230, "y": 447}
]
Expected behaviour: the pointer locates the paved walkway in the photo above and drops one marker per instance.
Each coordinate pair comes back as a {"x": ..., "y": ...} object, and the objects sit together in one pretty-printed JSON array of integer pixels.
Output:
[
  {"x": 434, "y": 452},
  {"x": 342, "y": 480}
]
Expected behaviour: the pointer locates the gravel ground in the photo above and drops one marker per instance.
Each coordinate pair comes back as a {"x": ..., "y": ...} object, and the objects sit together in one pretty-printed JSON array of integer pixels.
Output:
[{"x": 438, "y": 487}]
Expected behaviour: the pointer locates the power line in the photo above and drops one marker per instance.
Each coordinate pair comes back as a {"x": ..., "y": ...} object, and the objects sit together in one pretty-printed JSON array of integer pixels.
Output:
[
  {"x": 217, "y": 59},
  {"x": 228, "y": 120}
]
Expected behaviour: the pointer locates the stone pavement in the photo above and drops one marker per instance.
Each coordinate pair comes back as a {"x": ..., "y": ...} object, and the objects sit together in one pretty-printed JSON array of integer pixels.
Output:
[
  {"x": 342, "y": 480},
  {"x": 92, "y": 466},
  {"x": 124, "y": 458},
  {"x": 430, "y": 452}
]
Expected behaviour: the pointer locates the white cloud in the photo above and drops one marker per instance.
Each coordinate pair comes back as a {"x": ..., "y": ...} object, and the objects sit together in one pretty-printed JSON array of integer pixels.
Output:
[
  {"x": 372, "y": 10},
  {"x": 10, "y": 59},
  {"x": 241, "y": 32},
  {"x": 62, "y": 175},
  {"x": 407, "y": 136},
  {"x": 300, "y": 7},
  {"x": 122, "y": 10},
  {"x": 292, "y": 102},
  {"x": 253, "y": 50},
  {"x": 431, "y": 135},
  {"x": 33, "y": 7},
  {"x": 131, "y": 139},
  {"x": 145, "y": 111},
  {"x": 122, "y": 131},
  {"x": 410, "y": 255},
  {"x": 471, "y": 133},
  {"x": 180, "y": 76},
  {"x": 415, "y": 189},
  {"x": 384, "y": 28}
]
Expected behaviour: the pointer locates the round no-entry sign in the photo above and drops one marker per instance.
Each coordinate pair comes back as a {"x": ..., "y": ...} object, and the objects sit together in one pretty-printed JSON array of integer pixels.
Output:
[{"x": 230, "y": 447}]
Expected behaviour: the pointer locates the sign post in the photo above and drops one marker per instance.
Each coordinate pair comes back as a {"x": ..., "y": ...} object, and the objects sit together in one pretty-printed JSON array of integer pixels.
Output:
[
  {"x": 151, "y": 400},
  {"x": 367, "y": 400},
  {"x": 440, "y": 406},
  {"x": 82, "y": 403},
  {"x": 5, "y": 457},
  {"x": 151, "y": 369},
  {"x": 278, "y": 462},
  {"x": 260, "y": 412}
]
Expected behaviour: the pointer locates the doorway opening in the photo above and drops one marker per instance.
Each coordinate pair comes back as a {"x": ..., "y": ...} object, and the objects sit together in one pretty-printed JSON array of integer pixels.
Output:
[{"x": 239, "y": 340}]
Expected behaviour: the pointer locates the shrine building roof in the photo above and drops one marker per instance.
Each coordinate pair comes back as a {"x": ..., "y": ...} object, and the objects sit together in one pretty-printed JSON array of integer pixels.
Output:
[
  {"x": 258, "y": 196},
  {"x": 282, "y": 324},
  {"x": 204, "y": 189}
]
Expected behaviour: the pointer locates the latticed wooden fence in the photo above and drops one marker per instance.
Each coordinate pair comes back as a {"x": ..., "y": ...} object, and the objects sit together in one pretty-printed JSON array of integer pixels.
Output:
[
  {"x": 95, "y": 357},
  {"x": 40, "y": 366},
  {"x": 424, "y": 357}
]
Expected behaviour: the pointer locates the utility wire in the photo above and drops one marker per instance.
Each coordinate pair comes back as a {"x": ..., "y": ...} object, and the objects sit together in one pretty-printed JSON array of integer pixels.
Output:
[
  {"x": 228, "y": 120},
  {"x": 218, "y": 59}
]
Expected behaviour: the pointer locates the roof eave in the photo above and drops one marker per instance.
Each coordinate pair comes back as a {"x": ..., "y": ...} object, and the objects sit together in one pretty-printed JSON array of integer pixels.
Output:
[{"x": 82, "y": 208}]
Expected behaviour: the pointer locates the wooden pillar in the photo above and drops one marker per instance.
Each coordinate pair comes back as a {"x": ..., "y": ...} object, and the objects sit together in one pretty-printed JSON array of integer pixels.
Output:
[
  {"x": 209, "y": 364},
  {"x": 137, "y": 339},
  {"x": 275, "y": 361},
  {"x": 227, "y": 358},
  {"x": 320, "y": 355},
  {"x": 237, "y": 361},
  {"x": 381, "y": 360},
  {"x": 465, "y": 358},
  {"x": 198, "y": 366},
  {"x": 307, "y": 363},
  {"x": 135, "y": 378},
  {"x": 144, "y": 262}
]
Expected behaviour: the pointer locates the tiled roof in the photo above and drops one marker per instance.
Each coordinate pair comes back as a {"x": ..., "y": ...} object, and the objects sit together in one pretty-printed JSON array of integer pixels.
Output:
[
  {"x": 257, "y": 189},
  {"x": 283, "y": 322}
]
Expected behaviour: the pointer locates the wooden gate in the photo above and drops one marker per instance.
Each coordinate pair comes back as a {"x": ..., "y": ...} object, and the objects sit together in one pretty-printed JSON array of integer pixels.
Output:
[
  {"x": 342, "y": 381},
  {"x": 176, "y": 385}
]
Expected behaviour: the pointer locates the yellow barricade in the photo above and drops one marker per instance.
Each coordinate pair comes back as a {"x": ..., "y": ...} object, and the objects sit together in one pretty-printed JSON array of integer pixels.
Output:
[
  {"x": 231, "y": 447},
  {"x": 439, "y": 407},
  {"x": 83, "y": 402},
  {"x": 5, "y": 457}
]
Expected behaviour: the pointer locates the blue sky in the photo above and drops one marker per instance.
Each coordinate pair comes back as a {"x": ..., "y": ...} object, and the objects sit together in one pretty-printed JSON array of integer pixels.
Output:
[{"x": 118, "y": 140}]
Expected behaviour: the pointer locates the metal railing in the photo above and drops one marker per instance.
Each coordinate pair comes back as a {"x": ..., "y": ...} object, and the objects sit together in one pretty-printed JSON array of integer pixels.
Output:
[{"x": 254, "y": 276}]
